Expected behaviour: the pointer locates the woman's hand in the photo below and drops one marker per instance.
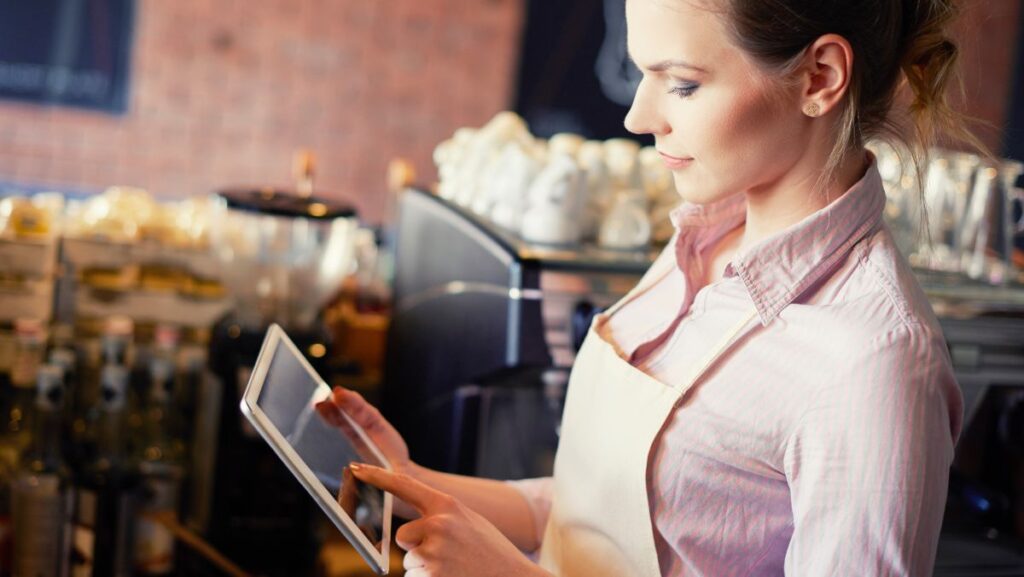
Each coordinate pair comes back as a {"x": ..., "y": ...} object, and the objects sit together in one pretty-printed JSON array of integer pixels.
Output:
[
  {"x": 376, "y": 427},
  {"x": 373, "y": 424},
  {"x": 449, "y": 539}
]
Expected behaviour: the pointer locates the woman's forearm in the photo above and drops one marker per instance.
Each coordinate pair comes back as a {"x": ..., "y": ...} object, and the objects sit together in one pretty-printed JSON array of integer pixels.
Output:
[{"x": 496, "y": 501}]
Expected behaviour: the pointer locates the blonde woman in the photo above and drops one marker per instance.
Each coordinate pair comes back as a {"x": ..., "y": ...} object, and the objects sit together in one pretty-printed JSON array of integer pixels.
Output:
[{"x": 775, "y": 396}]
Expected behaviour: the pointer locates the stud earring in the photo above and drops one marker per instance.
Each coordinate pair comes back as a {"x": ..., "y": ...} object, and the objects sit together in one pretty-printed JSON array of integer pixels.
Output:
[{"x": 812, "y": 109}]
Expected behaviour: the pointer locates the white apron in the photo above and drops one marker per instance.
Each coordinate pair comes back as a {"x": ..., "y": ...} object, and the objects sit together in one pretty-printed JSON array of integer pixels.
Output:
[{"x": 600, "y": 523}]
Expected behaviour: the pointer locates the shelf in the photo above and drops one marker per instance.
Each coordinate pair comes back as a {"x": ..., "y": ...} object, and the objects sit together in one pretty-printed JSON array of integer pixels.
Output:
[
  {"x": 584, "y": 256},
  {"x": 84, "y": 253},
  {"x": 151, "y": 306},
  {"x": 28, "y": 257},
  {"x": 958, "y": 296}
]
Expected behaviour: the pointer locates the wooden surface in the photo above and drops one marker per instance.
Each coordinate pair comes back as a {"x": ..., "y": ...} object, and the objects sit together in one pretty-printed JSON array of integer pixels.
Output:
[{"x": 339, "y": 559}]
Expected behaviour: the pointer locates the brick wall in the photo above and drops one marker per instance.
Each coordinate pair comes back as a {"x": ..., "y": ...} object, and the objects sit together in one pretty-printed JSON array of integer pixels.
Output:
[{"x": 223, "y": 91}]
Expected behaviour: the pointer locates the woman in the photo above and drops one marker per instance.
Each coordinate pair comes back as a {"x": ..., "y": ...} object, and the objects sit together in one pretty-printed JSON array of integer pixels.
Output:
[{"x": 775, "y": 396}]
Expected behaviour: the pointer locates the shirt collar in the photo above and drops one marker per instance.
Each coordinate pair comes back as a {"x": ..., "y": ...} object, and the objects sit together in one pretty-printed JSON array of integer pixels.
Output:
[{"x": 781, "y": 267}]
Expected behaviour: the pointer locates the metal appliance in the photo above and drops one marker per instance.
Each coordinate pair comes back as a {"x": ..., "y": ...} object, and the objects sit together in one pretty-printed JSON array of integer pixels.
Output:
[
  {"x": 480, "y": 314},
  {"x": 284, "y": 255},
  {"x": 983, "y": 527}
]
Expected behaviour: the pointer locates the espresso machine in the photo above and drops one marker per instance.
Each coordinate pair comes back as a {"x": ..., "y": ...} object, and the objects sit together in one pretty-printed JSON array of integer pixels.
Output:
[
  {"x": 484, "y": 330},
  {"x": 983, "y": 526}
]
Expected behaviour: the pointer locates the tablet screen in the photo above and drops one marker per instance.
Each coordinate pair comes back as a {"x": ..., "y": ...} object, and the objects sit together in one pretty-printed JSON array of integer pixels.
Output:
[{"x": 288, "y": 398}]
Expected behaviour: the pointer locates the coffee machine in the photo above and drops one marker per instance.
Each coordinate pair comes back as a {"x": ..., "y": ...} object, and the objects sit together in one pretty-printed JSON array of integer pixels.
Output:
[
  {"x": 485, "y": 327},
  {"x": 983, "y": 527},
  {"x": 284, "y": 255}
]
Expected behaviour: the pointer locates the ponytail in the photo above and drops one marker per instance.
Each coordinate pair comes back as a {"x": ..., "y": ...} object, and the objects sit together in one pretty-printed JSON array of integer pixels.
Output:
[{"x": 930, "y": 65}]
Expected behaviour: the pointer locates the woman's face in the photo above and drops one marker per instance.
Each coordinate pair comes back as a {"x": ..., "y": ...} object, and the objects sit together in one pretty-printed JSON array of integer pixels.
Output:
[{"x": 714, "y": 120}]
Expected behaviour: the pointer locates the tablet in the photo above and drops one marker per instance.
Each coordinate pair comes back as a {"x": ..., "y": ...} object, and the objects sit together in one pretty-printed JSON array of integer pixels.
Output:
[{"x": 280, "y": 402}]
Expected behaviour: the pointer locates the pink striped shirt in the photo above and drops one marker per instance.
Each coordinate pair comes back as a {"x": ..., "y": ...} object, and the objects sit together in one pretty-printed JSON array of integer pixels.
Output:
[{"x": 821, "y": 444}]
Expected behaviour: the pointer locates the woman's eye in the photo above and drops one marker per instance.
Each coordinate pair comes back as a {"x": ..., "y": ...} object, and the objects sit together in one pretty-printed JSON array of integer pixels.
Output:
[{"x": 684, "y": 89}]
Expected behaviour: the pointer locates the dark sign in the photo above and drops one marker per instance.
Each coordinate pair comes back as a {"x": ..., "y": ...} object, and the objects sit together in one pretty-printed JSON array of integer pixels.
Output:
[{"x": 68, "y": 52}]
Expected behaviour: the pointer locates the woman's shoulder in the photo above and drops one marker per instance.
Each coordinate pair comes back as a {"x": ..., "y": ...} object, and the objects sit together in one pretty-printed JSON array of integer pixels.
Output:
[
  {"x": 882, "y": 312},
  {"x": 877, "y": 286}
]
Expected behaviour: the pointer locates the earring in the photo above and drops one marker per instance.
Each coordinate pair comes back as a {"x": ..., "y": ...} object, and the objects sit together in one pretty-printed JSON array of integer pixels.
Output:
[{"x": 812, "y": 109}]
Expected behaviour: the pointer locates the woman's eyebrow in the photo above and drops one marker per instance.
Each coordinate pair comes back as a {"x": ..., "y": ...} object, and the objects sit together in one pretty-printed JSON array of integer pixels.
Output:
[{"x": 669, "y": 64}]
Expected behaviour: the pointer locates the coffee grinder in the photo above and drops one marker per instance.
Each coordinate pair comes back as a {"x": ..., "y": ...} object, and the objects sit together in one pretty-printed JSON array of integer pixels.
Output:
[{"x": 285, "y": 254}]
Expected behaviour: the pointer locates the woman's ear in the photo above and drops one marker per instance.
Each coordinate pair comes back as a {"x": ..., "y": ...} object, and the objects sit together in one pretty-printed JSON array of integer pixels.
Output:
[{"x": 825, "y": 74}]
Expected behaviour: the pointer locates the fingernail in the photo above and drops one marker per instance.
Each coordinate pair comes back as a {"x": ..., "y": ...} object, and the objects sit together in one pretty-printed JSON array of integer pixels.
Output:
[{"x": 356, "y": 467}]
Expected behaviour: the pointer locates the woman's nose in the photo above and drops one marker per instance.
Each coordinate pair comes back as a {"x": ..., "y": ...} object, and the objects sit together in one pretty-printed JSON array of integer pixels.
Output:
[{"x": 643, "y": 116}]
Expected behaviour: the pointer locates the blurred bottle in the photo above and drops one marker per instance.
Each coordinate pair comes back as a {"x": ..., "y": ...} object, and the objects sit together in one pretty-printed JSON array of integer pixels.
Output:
[
  {"x": 161, "y": 463},
  {"x": 139, "y": 381},
  {"x": 191, "y": 365},
  {"x": 198, "y": 440},
  {"x": 64, "y": 354},
  {"x": 106, "y": 487},
  {"x": 6, "y": 525},
  {"x": 41, "y": 497},
  {"x": 18, "y": 392},
  {"x": 29, "y": 343},
  {"x": 114, "y": 341},
  {"x": 166, "y": 350},
  {"x": 372, "y": 275}
]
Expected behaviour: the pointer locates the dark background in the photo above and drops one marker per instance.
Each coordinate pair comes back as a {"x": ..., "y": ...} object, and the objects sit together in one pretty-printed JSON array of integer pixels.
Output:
[
  {"x": 1015, "y": 122},
  {"x": 558, "y": 89},
  {"x": 71, "y": 52}
]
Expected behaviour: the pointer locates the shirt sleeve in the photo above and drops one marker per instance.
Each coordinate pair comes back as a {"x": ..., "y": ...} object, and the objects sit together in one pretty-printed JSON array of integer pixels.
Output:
[
  {"x": 537, "y": 493},
  {"x": 868, "y": 463}
]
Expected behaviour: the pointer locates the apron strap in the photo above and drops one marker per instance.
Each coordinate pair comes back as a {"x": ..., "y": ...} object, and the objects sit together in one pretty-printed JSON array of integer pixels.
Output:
[
  {"x": 661, "y": 267},
  {"x": 717, "y": 351}
]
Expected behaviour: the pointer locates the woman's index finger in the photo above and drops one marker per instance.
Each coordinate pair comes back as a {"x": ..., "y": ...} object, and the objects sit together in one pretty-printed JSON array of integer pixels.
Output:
[{"x": 423, "y": 498}]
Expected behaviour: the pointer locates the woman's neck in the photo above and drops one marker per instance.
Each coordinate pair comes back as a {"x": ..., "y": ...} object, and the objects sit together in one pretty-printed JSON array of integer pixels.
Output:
[
  {"x": 786, "y": 203},
  {"x": 793, "y": 198}
]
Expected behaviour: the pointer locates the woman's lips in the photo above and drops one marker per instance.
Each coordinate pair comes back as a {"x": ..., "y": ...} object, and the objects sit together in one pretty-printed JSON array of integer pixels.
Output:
[{"x": 675, "y": 162}]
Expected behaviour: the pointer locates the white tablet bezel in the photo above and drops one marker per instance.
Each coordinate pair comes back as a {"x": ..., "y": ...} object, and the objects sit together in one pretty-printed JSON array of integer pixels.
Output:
[{"x": 276, "y": 337}]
